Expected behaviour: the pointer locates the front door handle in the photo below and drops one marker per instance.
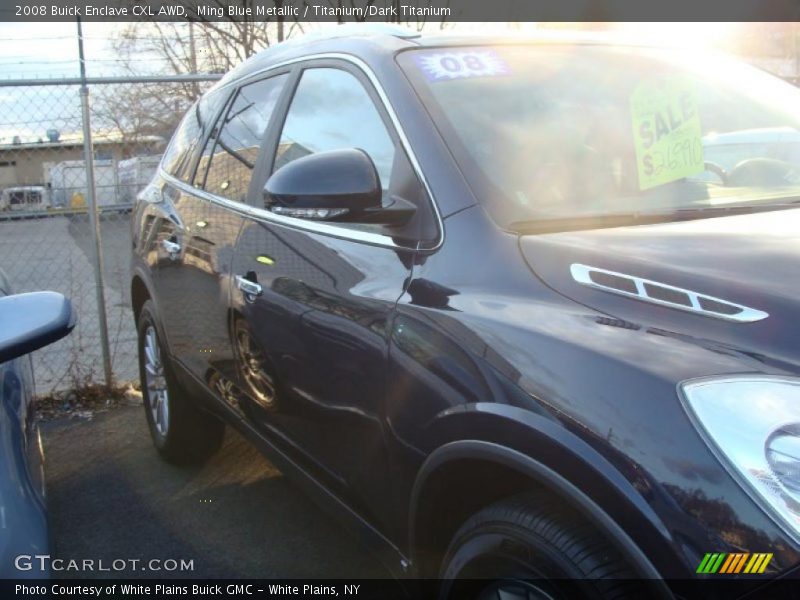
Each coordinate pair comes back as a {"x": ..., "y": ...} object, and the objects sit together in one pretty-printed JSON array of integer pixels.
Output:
[
  {"x": 172, "y": 247},
  {"x": 250, "y": 288}
]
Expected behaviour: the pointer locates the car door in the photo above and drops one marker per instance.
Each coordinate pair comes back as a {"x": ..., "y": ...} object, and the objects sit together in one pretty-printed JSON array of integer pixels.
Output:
[
  {"x": 212, "y": 216},
  {"x": 174, "y": 276},
  {"x": 314, "y": 302}
]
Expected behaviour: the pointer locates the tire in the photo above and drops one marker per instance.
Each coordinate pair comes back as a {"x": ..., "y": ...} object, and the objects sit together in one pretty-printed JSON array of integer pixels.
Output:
[
  {"x": 534, "y": 546},
  {"x": 182, "y": 433}
]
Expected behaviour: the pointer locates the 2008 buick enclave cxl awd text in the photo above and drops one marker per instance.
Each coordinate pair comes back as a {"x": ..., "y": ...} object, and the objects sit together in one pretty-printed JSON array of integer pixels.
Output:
[{"x": 523, "y": 311}]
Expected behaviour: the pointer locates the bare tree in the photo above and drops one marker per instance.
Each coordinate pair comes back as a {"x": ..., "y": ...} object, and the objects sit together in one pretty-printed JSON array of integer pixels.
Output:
[
  {"x": 134, "y": 113},
  {"x": 204, "y": 43},
  {"x": 210, "y": 40}
]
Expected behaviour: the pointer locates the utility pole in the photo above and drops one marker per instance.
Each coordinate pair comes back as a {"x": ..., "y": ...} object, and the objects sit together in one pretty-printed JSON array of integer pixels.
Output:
[
  {"x": 91, "y": 193},
  {"x": 192, "y": 48},
  {"x": 279, "y": 6},
  {"x": 193, "y": 56}
]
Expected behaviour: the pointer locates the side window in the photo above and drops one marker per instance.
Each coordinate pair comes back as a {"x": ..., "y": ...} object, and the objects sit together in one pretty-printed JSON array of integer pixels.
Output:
[
  {"x": 179, "y": 157},
  {"x": 226, "y": 166},
  {"x": 331, "y": 110}
]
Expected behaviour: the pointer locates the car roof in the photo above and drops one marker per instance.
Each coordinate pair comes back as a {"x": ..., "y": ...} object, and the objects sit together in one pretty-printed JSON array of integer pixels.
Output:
[
  {"x": 370, "y": 47},
  {"x": 372, "y": 43},
  {"x": 540, "y": 37}
]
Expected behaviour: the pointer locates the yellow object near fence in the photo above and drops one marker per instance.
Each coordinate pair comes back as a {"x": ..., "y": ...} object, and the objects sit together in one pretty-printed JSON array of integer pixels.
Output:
[{"x": 77, "y": 201}]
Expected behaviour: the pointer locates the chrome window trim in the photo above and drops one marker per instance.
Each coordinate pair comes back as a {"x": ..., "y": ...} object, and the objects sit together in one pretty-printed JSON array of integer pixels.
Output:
[
  {"x": 375, "y": 239},
  {"x": 582, "y": 275}
]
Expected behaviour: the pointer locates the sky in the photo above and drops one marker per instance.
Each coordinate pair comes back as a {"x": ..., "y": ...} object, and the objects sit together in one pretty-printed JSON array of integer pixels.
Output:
[
  {"x": 50, "y": 50},
  {"x": 44, "y": 50}
]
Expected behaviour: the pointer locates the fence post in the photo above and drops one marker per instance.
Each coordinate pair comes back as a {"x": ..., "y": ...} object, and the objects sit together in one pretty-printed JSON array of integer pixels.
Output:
[{"x": 88, "y": 153}]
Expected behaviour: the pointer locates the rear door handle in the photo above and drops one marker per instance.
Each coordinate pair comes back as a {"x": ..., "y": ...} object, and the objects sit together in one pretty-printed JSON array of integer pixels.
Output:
[{"x": 250, "y": 288}]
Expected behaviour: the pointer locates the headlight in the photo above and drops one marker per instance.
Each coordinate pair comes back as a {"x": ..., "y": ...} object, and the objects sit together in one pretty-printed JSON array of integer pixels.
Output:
[{"x": 752, "y": 423}]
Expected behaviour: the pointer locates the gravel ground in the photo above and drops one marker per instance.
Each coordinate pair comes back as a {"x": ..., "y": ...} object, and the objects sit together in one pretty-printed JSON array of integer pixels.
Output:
[{"x": 111, "y": 497}]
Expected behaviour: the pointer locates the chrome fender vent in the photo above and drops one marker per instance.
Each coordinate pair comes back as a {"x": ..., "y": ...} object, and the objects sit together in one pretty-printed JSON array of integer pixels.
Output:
[{"x": 663, "y": 294}]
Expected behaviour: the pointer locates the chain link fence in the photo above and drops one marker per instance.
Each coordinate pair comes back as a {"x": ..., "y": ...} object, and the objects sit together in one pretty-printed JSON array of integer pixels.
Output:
[{"x": 46, "y": 230}]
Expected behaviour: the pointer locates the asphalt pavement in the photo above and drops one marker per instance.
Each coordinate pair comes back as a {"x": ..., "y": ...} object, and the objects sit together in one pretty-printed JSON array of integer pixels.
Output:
[
  {"x": 56, "y": 253},
  {"x": 110, "y": 497}
]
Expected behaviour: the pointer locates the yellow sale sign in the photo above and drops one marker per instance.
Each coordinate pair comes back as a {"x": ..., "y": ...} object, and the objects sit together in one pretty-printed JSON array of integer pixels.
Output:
[{"x": 666, "y": 131}]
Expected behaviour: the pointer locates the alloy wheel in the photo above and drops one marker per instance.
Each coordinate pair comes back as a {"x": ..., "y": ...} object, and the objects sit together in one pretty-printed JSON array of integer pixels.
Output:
[{"x": 156, "y": 382}]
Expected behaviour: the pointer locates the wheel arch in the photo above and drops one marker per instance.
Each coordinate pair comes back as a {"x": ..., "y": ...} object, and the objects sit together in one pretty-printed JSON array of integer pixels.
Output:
[
  {"x": 511, "y": 471},
  {"x": 140, "y": 293}
]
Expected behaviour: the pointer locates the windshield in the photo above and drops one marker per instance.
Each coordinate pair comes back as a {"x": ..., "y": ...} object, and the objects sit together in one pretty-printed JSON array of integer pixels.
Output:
[{"x": 561, "y": 132}]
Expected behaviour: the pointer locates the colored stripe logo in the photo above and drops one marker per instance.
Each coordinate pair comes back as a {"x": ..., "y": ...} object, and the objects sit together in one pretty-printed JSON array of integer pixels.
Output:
[{"x": 736, "y": 562}]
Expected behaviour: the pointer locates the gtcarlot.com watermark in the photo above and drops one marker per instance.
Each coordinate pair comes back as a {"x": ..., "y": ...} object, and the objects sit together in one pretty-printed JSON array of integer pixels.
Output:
[{"x": 43, "y": 563}]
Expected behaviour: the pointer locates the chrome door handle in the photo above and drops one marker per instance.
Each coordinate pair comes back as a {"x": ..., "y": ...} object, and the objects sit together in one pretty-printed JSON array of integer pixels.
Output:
[
  {"x": 171, "y": 247},
  {"x": 251, "y": 289}
]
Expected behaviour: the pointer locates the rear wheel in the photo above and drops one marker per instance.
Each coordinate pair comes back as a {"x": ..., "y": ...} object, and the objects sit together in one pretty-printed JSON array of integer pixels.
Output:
[
  {"x": 530, "y": 547},
  {"x": 181, "y": 432}
]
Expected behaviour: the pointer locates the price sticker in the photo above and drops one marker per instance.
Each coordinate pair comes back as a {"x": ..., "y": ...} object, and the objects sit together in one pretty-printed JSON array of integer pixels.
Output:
[
  {"x": 666, "y": 131},
  {"x": 446, "y": 66}
]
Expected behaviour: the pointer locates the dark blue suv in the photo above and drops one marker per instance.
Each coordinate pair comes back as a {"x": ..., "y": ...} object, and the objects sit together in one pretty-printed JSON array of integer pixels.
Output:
[{"x": 522, "y": 311}]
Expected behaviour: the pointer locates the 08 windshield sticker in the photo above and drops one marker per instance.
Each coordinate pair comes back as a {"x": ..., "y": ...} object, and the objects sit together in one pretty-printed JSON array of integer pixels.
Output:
[
  {"x": 446, "y": 66},
  {"x": 666, "y": 130}
]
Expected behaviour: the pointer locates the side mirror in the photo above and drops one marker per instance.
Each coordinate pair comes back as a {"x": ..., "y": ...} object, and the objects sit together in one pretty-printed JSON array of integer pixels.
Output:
[
  {"x": 340, "y": 185},
  {"x": 31, "y": 321}
]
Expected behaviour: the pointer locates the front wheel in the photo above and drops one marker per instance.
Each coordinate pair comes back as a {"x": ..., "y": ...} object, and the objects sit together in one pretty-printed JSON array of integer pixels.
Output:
[
  {"x": 253, "y": 366},
  {"x": 182, "y": 433},
  {"x": 530, "y": 547}
]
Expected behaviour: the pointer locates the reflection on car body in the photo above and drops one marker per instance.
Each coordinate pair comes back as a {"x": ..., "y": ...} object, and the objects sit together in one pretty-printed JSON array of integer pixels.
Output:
[{"x": 450, "y": 291}]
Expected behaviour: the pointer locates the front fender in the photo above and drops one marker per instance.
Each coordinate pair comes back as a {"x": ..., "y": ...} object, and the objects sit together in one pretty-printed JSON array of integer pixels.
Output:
[{"x": 543, "y": 450}]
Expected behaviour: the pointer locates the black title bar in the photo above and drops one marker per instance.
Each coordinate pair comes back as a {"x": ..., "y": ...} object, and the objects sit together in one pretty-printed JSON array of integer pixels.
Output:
[
  {"x": 719, "y": 588},
  {"x": 400, "y": 11}
]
